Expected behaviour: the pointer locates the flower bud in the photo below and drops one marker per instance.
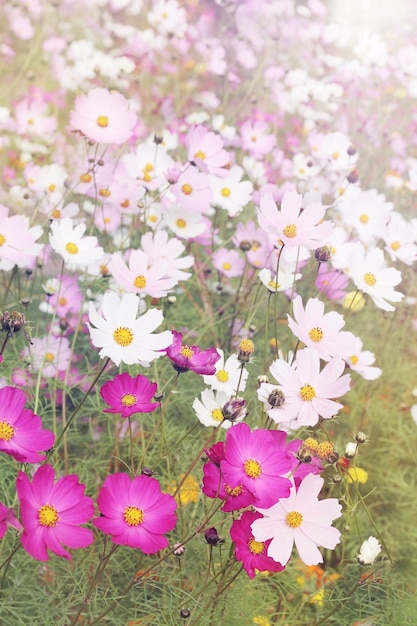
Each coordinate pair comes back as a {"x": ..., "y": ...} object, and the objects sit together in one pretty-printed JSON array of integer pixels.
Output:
[
  {"x": 350, "y": 449},
  {"x": 369, "y": 551},
  {"x": 179, "y": 549},
  {"x": 146, "y": 471},
  {"x": 276, "y": 398},
  {"x": 235, "y": 410},
  {"x": 245, "y": 246},
  {"x": 212, "y": 537},
  {"x": 12, "y": 321},
  {"x": 185, "y": 613},
  {"x": 360, "y": 437},
  {"x": 263, "y": 378},
  {"x": 246, "y": 349},
  {"x": 323, "y": 254}
]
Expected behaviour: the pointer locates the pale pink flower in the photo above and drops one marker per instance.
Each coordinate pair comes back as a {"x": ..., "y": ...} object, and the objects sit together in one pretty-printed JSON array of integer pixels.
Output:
[
  {"x": 307, "y": 390},
  {"x": 184, "y": 224},
  {"x": 141, "y": 277},
  {"x": 361, "y": 361},
  {"x": 302, "y": 519},
  {"x": 159, "y": 247},
  {"x": 103, "y": 116},
  {"x": 318, "y": 330},
  {"x": 368, "y": 270},
  {"x": 31, "y": 118},
  {"x": 205, "y": 149},
  {"x": 48, "y": 355},
  {"x": 293, "y": 225},
  {"x": 17, "y": 240},
  {"x": 228, "y": 262},
  {"x": 256, "y": 138},
  {"x": 149, "y": 164},
  {"x": 191, "y": 190},
  {"x": 400, "y": 240}
]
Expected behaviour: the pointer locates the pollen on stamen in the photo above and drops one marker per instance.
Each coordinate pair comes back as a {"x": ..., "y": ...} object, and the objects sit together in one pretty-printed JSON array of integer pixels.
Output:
[{"x": 290, "y": 231}]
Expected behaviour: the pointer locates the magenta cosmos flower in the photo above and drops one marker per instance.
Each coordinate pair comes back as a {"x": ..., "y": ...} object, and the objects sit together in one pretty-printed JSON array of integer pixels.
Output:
[
  {"x": 252, "y": 553},
  {"x": 103, "y": 116},
  {"x": 135, "y": 512},
  {"x": 186, "y": 358},
  {"x": 8, "y": 518},
  {"x": 51, "y": 513},
  {"x": 127, "y": 395},
  {"x": 257, "y": 460},
  {"x": 302, "y": 518},
  {"x": 21, "y": 432}
]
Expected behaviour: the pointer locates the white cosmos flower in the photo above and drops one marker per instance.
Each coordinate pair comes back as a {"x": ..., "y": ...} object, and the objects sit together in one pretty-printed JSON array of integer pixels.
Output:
[
  {"x": 124, "y": 337},
  {"x": 369, "y": 551},
  {"x": 68, "y": 241},
  {"x": 209, "y": 409}
]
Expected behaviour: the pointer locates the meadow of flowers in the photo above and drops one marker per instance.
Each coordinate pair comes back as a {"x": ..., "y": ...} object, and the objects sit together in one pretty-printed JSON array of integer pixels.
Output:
[{"x": 208, "y": 314}]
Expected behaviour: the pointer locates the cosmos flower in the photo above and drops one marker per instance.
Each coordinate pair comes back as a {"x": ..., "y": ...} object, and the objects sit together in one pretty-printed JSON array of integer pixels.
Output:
[
  {"x": 124, "y": 337},
  {"x": 369, "y": 551},
  {"x": 302, "y": 519},
  {"x": 52, "y": 512},
  {"x": 185, "y": 358},
  {"x": 127, "y": 395},
  {"x": 69, "y": 242},
  {"x": 21, "y": 432},
  {"x": 252, "y": 554},
  {"x": 17, "y": 240},
  {"x": 135, "y": 512},
  {"x": 103, "y": 116},
  {"x": 229, "y": 375}
]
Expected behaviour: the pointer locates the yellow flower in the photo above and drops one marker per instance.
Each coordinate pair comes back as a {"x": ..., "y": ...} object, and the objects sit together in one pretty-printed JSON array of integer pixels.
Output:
[
  {"x": 317, "y": 598},
  {"x": 189, "y": 490},
  {"x": 261, "y": 621},
  {"x": 354, "y": 301},
  {"x": 357, "y": 475}
]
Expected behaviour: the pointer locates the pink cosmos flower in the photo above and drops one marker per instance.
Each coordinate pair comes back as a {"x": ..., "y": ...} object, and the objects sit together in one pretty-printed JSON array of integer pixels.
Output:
[
  {"x": 185, "y": 358},
  {"x": 158, "y": 247},
  {"x": 257, "y": 460},
  {"x": 205, "y": 149},
  {"x": 52, "y": 512},
  {"x": 66, "y": 299},
  {"x": 256, "y": 139},
  {"x": 332, "y": 283},
  {"x": 8, "y": 518},
  {"x": 48, "y": 354},
  {"x": 228, "y": 262},
  {"x": 294, "y": 224},
  {"x": 127, "y": 395},
  {"x": 320, "y": 331},
  {"x": 31, "y": 118},
  {"x": 135, "y": 512},
  {"x": 17, "y": 240},
  {"x": 252, "y": 554},
  {"x": 192, "y": 190},
  {"x": 141, "y": 277},
  {"x": 21, "y": 432},
  {"x": 214, "y": 486},
  {"x": 308, "y": 390},
  {"x": 103, "y": 116},
  {"x": 302, "y": 519}
]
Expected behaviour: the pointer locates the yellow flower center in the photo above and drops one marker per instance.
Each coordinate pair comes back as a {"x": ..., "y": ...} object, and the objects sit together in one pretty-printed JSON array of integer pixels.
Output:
[
  {"x": 370, "y": 279},
  {"x": 364, "y": 218},
  {"x": 6, "y": 431},
  {"x": 49, "y": 357},
  {"x": 128, "y": 399},
  {"x": 187, "y": 352},
  {"x": 256, "y": 547},
  {"x": 226, "y": 266},
  {"x": 200, "y": 155},
  {"x": 125, "y": 204},
  {"x": 123, "y": 336},
  {"x": 335, "y": 156},
  {"x": 56, "y": 214},
  {"x": 86, "y": 178},
  {"x": 62, "y": 301},
  {"x": 395, "y": 245},
  {"x": 252, "y": 468},
  {"x": 181, "y": 223},
  {"x": 71, "y": 248},
  {"x": 133, "y": 516},
  {"x": 217, "y": 415},
  {"x": 307, "y": 393},
  {"x": 273, "y": 285},
  {"x": 148, "y": 167},
  {"x": 290, "y": 231},
  {"x": 102, "y": 121},
  {"x": 2, "y": 240},
  {"x": 222, "y": 376},
  {"x": 225, "y": 192},
  {"x": 247, "y": 346},
  {"x": 294, "y": 519},
  {"x": 325, "y": 449},
  {"x": 52, "y": 188},
  {"x": 31, "y": 121},
  {"x": 187, "y": 189},
  {"x": 311, "y": 444},
  {"x": 104, "y": 192},
  {"x": 140, "y": 282},
  {"x": 353, "y": 359},
  {"x": 48, "y": 515},
  {"x": 316, "y": 334}
]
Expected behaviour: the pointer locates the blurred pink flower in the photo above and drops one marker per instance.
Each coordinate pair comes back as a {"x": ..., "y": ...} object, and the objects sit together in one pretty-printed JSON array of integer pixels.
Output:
[
  {"x": 205, "y": 150},
  {"x": 103, "y": 116},
  {"x": 17, "y": 240}
]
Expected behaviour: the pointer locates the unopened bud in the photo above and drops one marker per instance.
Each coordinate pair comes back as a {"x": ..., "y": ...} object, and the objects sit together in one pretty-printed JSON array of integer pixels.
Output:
[
  {"x": 212, "y": 537},
  {"x": 323, "y": 254},
  {"x": 235, "y": 410},
  {"x": 245, "y": 246},
  {"x": 179, "y": 549},
  {"x": 360, "y": 437},
  {"x": 12, "y": 321},
  {"x": 276, "y": 398},
  {"x": 185, "y": 613},
  {"x": 353, "y": 177},
  {"x": 263, "y": 378}
]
